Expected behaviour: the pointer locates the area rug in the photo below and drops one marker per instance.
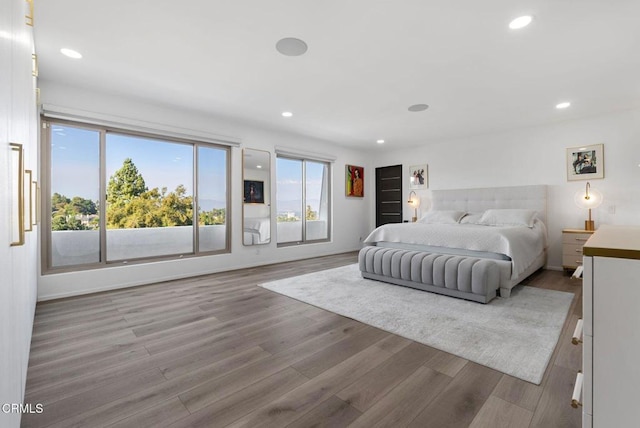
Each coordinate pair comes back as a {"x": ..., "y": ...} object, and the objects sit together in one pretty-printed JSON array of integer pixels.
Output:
[{"x": 516, "y": 335}]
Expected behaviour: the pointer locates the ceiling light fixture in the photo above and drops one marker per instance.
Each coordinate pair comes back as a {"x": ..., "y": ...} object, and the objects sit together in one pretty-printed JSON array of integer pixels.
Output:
[
  {"x": 563, "y": 105},
  {"x": 287, "y": 114},
  {"x": 418, "y": 107},
  {"x": 520, "y": 22},
  {"x": 259, "y": 166},
  {"x": 380, "y": 141},
  {"x": 71, "y": 53},
  {"x": 291, "y": 46}
]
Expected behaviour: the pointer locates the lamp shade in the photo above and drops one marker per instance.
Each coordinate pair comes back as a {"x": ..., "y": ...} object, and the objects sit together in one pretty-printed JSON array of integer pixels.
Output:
[{"x": 588, "y": 198}]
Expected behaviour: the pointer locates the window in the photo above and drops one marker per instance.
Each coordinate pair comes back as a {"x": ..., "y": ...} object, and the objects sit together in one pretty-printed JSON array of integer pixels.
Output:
[
  {"x": 117, "y": 197},
  {"x": 303, "y": 200}
]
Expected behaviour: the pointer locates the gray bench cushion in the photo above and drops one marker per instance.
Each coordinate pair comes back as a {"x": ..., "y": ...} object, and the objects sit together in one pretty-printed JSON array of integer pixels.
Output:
[{"x": 459, "y": 276}]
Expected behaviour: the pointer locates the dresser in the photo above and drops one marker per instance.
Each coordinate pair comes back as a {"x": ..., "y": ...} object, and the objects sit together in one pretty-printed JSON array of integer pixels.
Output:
[
  {"x": 572, "y": 242},
  {"x": 611, "y": 341}
]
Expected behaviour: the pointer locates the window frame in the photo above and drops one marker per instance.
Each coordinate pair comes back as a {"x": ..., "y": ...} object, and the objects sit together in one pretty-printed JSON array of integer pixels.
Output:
[
  {"x": 45, "y": 197},
  {"x": 304, "y": 240}
]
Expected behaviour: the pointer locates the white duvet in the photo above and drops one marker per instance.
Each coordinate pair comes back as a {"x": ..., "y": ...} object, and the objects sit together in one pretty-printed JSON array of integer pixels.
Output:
[
  {"x": 522, "y": 244},
  {"x": 259, "y": 225}
]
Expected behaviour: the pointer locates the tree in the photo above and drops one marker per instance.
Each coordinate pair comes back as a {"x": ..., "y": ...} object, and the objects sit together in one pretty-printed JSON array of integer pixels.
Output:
[
  {"x": 132, "y": 205},
  {"x": 311, "y": 215},
  {"x": 83, "y": 206},
  {"x": 66, "y": 214},
  {"x": 125, "y": 184}
]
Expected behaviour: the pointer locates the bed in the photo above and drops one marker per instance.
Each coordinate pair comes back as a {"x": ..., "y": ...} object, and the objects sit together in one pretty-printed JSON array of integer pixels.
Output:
[
  {"x": 505, "y": 225},
  {"x": 257, "y": 230}
]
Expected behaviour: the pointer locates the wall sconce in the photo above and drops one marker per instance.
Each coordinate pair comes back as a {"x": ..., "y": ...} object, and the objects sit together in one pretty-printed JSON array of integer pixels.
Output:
[
  {"x": 414, "y": 201},
  {"x": 588, "y": 199}
]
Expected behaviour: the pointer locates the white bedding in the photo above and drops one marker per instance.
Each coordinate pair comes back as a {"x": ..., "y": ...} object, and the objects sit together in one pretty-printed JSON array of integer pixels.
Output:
[
  {"x": 261, "y": 226},
  {"x": 522, "y": 244}
]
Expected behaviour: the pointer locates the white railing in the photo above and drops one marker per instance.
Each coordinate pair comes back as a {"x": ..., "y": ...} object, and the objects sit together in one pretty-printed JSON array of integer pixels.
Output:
[{"x": 72, "y": 247}]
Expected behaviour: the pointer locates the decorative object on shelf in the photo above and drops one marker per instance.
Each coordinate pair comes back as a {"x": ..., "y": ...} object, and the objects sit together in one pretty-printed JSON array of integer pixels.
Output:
[
  {"x": 414, "y": 202},
  {"x": 588, "y": 199},
  {"x": 354, "y": 181},
  {"x": 585, "y": 163},
  {"x": 17, "y": 195},
  {"x": 418, "y": 177},
  {"x": 253, "y": 192}
]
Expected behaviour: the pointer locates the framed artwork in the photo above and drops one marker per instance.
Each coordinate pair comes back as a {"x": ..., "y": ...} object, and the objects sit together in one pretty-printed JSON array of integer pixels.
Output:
[
  {"x": 585, "y": 163},
  {"x": 418, "y": 177},
  {"x": 253, "y": 192},
  {"x": 354, "y": 181}
]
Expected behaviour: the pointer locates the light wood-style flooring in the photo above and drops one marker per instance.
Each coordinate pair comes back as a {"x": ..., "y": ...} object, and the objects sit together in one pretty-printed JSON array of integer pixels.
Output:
[{"x": 217, "y": 350}]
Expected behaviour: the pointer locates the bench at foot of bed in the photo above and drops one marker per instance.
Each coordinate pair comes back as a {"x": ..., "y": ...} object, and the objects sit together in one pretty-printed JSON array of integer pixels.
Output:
[{"x": 457, "y": 276}]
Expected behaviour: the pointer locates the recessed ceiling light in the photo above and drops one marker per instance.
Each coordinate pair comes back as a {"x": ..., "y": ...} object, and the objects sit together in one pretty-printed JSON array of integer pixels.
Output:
[
  {"x": 380, "y": 141},
  {"x": 287, "y": 114},
  {"x": 259, "y": 166},
  {"x": 71, "y": 53},
  {"x": 563, "y": 105},
  {"x": 520, "y": 22},
  {"x": 291, "y": 46},
  {"x": 418, "y": 107}
]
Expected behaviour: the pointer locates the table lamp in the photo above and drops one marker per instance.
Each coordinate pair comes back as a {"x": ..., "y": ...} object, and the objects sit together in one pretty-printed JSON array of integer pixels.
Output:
[
  {"x": 414, "y": 201},
  {"x": 589, "y": 198}
]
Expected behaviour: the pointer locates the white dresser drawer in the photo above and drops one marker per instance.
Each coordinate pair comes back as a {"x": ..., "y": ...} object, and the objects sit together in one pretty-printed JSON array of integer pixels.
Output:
[{"x": 575, "y": 238}]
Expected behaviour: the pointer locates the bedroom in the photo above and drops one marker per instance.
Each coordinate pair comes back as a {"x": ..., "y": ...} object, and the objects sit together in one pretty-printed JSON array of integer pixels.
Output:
[{"x": 494, "y": 153}]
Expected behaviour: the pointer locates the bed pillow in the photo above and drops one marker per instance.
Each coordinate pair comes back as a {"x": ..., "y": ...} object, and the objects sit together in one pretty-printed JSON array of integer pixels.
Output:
[
  {"x": 442, "y": 217},
  {"x": 508, "y": 217},
  {"x": 471, "y": 218}
]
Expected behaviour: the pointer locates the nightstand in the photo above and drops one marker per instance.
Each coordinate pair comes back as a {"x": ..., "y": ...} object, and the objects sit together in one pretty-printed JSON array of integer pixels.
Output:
[{"x": 572, "y": 242}]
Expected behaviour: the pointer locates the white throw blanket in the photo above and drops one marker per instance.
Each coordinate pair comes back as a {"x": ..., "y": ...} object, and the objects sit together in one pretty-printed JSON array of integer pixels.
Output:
[
  {"x": 522, "y": 244},
  {"x": 259, "y": 225}
]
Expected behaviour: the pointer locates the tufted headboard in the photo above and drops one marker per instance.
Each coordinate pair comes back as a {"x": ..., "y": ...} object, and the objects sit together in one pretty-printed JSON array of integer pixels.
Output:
[{"x": 478, "y": 200}]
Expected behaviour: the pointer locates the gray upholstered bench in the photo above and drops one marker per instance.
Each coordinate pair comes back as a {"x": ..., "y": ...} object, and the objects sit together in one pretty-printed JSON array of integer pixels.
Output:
[{"x": 458, "y": 276}]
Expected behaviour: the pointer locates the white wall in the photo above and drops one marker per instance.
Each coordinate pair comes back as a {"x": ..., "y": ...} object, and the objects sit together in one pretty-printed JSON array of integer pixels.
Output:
[
  {"x": 18, "y": 267},
  {"x": 350, "y": 218},
  {"x": 538, "y": 156}
]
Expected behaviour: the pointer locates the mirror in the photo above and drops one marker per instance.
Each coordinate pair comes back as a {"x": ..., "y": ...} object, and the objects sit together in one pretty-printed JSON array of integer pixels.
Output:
[{"x": 256, "y": 209}]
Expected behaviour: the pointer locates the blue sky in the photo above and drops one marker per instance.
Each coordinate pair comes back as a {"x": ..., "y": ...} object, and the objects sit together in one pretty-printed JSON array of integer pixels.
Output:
[
  {"x": 75, "y": 163},
  {"x": 75, "y": 167},
  {"x": 289, "y": 184}
]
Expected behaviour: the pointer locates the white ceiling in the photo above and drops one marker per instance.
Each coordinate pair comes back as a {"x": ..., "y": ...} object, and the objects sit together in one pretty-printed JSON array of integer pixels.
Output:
[{"x": 367, "y": 62}]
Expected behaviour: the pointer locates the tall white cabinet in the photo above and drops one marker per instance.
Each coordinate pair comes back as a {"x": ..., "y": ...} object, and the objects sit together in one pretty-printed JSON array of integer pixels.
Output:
[{"x": 611, "y": 311}]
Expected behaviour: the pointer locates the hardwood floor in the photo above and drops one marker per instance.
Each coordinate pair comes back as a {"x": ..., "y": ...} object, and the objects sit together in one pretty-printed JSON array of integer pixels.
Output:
[{"x": 217, "y": 350}]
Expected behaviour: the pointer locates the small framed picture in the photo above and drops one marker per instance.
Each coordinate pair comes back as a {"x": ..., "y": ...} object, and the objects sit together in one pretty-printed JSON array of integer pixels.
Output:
[
  {"x": 585, "y": 163},
  {"x": 354, "y": 181},
  {"x": 253, "y": 192},
  {"x": 418, "y": 177}
]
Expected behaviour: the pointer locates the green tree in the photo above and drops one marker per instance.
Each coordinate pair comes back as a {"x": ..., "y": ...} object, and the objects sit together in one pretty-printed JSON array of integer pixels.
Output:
[
  {"x": 83, "y": 206},
  {"x": 215, "y": 216},
  {"x": 125, "y": 184},
  {"x": 132, "y": 205},
  {"x": 58, "y": 202},
  {"x": 311, "y": 215}
]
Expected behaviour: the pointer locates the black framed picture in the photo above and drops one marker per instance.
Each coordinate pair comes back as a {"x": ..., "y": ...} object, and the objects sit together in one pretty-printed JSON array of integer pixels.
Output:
[{"x": 253, "y": 192}]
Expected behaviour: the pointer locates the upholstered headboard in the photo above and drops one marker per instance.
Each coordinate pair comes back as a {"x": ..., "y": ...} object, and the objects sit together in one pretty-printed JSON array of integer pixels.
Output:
[{"x": 479, "y": 200}]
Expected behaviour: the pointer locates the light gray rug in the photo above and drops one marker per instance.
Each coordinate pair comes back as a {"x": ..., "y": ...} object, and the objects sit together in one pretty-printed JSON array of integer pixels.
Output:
[{"x": 515, "y": 336}]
